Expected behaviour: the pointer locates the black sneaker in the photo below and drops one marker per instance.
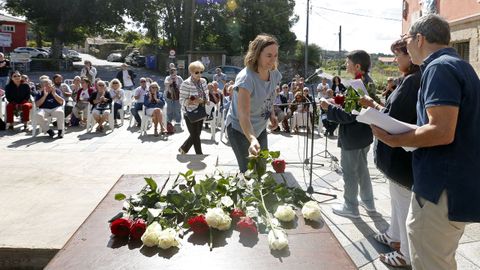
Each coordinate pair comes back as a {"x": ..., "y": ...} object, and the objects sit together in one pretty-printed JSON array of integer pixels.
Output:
[
  {"x": 50, "y": 133},
  {"x": 60, "y": 134}
]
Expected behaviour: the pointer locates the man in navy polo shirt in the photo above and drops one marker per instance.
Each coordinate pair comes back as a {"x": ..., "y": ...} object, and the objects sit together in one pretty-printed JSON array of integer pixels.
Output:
[
  {"x": 50, "y": 104},
  {"x": 447, "y": 162}
]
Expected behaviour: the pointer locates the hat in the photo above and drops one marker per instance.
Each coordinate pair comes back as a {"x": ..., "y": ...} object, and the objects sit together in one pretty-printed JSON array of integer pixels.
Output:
[{"x": 124, "y": 65}]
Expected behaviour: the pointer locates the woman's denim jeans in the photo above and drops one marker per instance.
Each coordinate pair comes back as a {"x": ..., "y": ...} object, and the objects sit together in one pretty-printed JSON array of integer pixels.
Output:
[{"x": 240, "y": 145}]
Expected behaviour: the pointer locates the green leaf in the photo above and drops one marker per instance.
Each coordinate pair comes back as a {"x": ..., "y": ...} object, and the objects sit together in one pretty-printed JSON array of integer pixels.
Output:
[
  {"x": 151, "y": 183},
  {"x": 275, "y": 154},
  {"x": 120, "y": 196}
]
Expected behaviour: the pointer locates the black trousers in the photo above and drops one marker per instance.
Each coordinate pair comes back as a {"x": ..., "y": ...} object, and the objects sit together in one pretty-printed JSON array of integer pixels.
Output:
[{"x": 194, "y": 139}]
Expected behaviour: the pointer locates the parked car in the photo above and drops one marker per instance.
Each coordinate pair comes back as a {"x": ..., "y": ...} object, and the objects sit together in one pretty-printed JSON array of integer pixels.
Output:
[
  {"x": 32, "y": 51},
  {"x": 74, "y": 56},
  {"x": 135, "y": 59},
  {"x": 44, "y": 50},
  {"x": 230, "y": 71},
  {"x": 115, "y": 57}
]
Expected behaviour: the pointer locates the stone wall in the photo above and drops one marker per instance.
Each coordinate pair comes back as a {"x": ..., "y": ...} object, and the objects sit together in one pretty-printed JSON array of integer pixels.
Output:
[{"x": 469, "y": 32}]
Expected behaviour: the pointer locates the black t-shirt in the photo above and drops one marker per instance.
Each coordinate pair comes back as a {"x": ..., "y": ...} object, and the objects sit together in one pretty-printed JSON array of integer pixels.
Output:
[{"x": 5, "y": 70}]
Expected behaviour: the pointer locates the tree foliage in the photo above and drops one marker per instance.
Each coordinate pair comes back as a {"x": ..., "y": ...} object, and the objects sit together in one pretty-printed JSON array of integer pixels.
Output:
[
  {"x": 217, "y": 24},
  {"x": 68, "y": 21}
]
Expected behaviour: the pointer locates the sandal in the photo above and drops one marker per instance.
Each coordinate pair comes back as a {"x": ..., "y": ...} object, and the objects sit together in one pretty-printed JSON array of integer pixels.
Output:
[
  {"x": 395, "y": 259},
  {"x": 386, "y": 240}
]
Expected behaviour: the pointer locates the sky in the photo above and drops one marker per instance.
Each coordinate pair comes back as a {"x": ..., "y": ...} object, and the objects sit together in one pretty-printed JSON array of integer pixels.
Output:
[{"x": 373, "y": 34}]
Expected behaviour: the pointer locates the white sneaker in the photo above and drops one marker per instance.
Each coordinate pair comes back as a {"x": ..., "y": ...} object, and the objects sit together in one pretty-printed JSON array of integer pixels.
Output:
[
  {"x": 344, "y": 211},
  {"x": 369, "y": 209}
]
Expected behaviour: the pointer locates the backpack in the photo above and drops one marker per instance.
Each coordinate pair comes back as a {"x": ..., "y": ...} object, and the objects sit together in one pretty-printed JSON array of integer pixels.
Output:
[
  {"x": 74, "y": 121},
  {"x": 170, "y": 128}
]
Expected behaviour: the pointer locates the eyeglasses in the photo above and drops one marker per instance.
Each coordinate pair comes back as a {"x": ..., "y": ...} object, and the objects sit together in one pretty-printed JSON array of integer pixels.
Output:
[
  {"x": 142, "y": 81},
  {"x": 199, "y": 72},
  {"x": 405, "y": 37},
  {"x": 100, "y": 85},
  {"x": 15, "y": 76},
  {"x": 114, "y": 82}
]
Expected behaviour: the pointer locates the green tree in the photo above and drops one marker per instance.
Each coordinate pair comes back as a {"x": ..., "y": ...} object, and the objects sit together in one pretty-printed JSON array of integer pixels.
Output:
[{"x": 65, "y": 21}]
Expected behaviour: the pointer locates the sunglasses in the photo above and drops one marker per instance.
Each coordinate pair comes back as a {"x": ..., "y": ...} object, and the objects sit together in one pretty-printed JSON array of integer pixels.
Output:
[
  {"x": 199, "y": 72},
  {"x": 15, "y": 76},
  {"x": 142, "y": 81},
  {"x": 100, "y": 85},
  {"x": 114, "y": 82}
]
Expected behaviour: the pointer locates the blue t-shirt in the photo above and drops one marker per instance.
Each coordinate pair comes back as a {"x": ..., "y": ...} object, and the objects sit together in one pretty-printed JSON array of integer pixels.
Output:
[
  {"x": 262, "y": 97},
  {"x": 50, "y": 101},
  {"x": 447, "y": 80}
]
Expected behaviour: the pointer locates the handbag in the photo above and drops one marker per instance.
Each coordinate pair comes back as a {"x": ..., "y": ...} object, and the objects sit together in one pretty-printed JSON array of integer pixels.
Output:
[{"x": 197, "y": 115}]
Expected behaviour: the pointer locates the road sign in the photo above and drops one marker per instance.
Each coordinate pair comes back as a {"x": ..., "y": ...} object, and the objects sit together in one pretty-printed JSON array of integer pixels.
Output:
[{"x": 171, "y": 53}]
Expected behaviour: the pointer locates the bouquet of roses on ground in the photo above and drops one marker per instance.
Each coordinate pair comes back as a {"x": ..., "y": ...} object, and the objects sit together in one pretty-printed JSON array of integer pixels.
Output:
[{"x": 161, "y": 217}]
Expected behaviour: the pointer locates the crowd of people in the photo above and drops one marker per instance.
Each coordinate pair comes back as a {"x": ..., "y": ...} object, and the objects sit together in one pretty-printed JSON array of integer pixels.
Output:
[{"x": 434, "y": 192}]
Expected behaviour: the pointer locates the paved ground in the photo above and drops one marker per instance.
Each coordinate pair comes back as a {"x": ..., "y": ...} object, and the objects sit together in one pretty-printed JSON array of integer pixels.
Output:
[{"x": 48, "y": 187}]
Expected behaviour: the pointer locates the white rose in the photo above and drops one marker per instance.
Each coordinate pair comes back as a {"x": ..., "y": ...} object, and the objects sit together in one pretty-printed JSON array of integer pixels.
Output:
[
  {"x": 277, "y": 239},
  {"x": 227, "y": 201},
  {"x": 311, "y": 211},
  {"x": 150, "y": 236},
  {"x": 216, "y": 218},
  {"x": 168, "y": 238},
  {"x": 285, "y": 213}
]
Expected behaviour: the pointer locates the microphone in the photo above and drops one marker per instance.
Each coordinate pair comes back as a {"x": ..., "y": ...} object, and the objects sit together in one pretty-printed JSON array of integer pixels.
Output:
[{"x": 317, "y": 72}]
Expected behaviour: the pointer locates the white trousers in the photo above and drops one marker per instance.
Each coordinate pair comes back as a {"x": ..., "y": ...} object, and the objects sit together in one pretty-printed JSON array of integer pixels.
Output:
[
  {"x": 400, "y": 198},
  {"x": 57, "y": 113}
]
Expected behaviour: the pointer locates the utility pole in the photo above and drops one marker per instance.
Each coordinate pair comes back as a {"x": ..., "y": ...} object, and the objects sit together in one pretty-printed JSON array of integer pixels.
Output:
[
  {"x": 306, "y": 41},
  {"x": 192, "y": 22},
  {"x": 340, "y": 50}
]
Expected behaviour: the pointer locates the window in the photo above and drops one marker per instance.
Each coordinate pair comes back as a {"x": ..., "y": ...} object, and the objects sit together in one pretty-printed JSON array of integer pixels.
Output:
[
  {"x": 8, "y": 28},
  {"x": 463, "y": 49}
]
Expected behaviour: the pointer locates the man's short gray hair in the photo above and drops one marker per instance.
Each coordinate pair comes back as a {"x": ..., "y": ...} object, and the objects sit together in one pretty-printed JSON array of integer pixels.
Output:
[{"x": 433, "y": 27}]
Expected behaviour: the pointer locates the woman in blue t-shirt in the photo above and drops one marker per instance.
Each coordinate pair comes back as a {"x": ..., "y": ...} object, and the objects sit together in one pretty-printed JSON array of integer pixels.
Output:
[{"x": 253, "y": 99}]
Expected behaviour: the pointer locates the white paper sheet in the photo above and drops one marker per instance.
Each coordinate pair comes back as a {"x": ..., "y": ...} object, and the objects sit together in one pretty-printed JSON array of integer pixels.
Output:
[
  {"x": 391, "y": 125},
  {"x": 358, "y": 84}
]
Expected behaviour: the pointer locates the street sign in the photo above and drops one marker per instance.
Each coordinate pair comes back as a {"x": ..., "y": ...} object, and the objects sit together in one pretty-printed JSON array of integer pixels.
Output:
[{"x": 171, "y": 53}]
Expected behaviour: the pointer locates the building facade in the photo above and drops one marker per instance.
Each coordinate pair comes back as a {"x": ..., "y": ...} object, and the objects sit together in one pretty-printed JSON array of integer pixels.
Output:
[
  {"x": 13, "y": 33},
  {"x": 464, "y": 19}
]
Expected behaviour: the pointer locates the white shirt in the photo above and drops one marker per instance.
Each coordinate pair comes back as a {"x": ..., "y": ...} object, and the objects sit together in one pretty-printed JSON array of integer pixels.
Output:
[
  {"x": 140, "y": 92},
  {"x": 127, "y": 81}
]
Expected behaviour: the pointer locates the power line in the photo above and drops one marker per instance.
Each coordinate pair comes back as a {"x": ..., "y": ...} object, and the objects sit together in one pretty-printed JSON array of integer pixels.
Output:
[{"x": 358, "y": 14}]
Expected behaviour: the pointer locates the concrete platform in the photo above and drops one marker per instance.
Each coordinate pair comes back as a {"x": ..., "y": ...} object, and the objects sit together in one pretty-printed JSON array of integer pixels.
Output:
[{"x": 49, "y": 187}]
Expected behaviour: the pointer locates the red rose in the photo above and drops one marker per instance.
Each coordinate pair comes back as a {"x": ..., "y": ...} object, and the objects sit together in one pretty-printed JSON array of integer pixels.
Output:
[
  {"x": 247, "y": 227},
  {"x": 339, "y": 99},
  {"x": 237, "y": 213},
  {"x": 137, "y": 229},
  {"x": 279, "y": 165},
  {"x": 121, "y": 227},
  {"x": 198, "y": 224}
]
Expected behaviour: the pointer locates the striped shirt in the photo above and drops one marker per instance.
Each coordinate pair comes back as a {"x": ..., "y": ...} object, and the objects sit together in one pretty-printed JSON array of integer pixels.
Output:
[{"x": 188, "y": 89}]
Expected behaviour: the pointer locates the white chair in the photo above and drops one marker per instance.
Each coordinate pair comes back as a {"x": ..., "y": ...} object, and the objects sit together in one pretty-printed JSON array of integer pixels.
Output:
[
  {"x": 33, "y": 117},
  {"x": 147, "y": 120},
  {"x": 91, "y": 120},
  {"x": 223, "y": 128},
  {"x": 212, "y": 119}
]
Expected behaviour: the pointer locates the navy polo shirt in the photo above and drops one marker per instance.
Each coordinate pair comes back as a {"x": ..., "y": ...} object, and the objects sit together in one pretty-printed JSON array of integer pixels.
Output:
[
  {"x": 50, "y": 101},
  {"x": 447, "y": 80}
]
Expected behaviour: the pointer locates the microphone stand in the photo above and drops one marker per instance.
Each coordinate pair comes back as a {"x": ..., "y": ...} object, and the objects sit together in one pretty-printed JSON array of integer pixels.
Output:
[{"x": 309, "y": 160}]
